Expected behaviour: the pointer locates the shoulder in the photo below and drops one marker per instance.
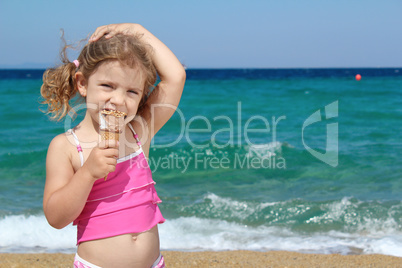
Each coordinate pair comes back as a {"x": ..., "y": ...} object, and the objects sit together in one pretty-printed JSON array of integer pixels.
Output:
[
  {"x": 61, "y": 147},
  {"x": 61, "y": 141}
]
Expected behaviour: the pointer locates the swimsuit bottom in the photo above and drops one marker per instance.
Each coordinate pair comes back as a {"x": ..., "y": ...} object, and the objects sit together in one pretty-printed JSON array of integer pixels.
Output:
[{"x": 81, "y": 263}]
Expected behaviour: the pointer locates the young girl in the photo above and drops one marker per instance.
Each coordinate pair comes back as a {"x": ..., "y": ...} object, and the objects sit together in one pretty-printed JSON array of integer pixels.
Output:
[{"x": 104, "y": 187}]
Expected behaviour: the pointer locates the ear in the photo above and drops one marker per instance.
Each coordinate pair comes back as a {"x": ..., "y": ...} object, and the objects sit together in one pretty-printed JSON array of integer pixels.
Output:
[{"x": 81, "y": 83}]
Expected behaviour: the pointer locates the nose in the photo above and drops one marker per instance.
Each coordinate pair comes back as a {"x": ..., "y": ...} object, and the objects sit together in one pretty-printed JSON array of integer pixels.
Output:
[{"x": 118, "y": 98}]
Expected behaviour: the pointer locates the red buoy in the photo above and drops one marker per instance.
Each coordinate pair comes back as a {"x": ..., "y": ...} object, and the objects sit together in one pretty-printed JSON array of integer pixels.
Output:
[{"x": 358, "y": 77}]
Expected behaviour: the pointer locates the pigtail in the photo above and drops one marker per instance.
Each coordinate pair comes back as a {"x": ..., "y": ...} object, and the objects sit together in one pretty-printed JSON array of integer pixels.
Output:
[{"x": 59, "y": 86}]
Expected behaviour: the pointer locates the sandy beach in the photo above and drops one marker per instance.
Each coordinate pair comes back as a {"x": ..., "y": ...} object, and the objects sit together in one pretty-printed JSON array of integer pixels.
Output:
[{"x": 221, "y": 259}]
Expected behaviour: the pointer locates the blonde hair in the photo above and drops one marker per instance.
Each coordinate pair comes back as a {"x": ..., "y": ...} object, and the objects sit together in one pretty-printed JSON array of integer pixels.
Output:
[{"x": 59, "y": 85}]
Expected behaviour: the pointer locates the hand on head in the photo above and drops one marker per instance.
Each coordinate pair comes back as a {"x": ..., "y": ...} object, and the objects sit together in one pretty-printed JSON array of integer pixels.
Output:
[{"x": 111, "y": 30}]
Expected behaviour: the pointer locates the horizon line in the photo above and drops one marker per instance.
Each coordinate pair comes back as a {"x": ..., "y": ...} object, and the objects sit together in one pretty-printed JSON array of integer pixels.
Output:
[{"x": 228, "y": 68}]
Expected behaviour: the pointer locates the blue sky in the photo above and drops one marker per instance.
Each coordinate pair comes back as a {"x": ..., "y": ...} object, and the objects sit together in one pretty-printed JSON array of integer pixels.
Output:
[{"x": 217, "y": 34}]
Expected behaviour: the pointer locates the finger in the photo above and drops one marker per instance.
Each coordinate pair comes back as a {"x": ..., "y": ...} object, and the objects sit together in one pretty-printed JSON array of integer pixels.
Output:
[
  {"x": 110, "y": 35},
  {"x": 111, "y": 165},
  {"x": 95, "y": 35},
  {"x": 111, "y": 168},
  {"x": 113, "y": 162},
  {"x": 112, "y": 153},
  {"x": 109, "y": 32},
  {"x": 99, "y": 32}
]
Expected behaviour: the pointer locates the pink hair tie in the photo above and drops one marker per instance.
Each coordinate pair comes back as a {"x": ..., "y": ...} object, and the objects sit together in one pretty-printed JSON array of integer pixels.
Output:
[{"x": 77, "y": 63}]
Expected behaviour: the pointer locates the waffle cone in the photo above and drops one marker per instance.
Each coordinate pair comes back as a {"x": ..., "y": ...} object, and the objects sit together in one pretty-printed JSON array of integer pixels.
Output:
[{"x": 107, "y": 135}]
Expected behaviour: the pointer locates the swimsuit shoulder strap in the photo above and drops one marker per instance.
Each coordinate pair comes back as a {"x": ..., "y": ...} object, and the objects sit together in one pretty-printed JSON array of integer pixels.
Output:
[
  {"x": 135, "y": 135},
  {"x": 79, "y": 149}
]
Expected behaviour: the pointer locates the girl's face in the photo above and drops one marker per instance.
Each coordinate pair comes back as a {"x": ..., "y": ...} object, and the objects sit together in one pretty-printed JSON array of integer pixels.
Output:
[{"x": 113, "y": 86}]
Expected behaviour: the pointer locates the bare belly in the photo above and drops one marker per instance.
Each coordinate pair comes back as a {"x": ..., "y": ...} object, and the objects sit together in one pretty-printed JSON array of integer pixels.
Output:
[{"x": 128, "y": 250}]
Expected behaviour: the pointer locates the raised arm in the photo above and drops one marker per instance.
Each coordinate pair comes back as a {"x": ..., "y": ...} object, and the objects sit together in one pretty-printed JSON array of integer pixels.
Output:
[{"x": 165, "y": 98}]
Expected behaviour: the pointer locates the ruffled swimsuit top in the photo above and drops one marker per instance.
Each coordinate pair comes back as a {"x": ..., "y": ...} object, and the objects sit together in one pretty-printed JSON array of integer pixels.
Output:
[{"x": 126, "y": 202}]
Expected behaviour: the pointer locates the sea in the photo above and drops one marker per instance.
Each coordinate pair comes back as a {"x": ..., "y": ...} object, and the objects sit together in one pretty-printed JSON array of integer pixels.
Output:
[{"x": 305, "y": 160}]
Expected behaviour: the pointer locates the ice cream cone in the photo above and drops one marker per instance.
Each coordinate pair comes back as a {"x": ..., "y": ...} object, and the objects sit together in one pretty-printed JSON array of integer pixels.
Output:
[{"x": 111, "y": 124}]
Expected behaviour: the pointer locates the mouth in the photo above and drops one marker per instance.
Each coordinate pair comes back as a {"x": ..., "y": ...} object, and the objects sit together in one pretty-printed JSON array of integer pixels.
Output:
[{"x": 115, "y": 113}]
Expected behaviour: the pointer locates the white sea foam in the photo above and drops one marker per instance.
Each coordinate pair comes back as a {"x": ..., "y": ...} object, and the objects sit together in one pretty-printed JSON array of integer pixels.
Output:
[
  {"x": 33, "y": 234},
  {"x": 265, "y": 150},
  {"x": 193, "y": 233},
  {"x": 239, "y": 209},
  {"x": 19, "y": 233}
]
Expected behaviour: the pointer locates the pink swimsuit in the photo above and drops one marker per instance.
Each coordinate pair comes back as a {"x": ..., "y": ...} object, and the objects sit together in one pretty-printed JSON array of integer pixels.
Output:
[{"x": 125, "y": 203}]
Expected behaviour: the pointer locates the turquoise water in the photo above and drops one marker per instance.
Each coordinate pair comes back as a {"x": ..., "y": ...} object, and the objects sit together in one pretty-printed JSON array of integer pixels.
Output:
[{"x": 225, "y": 186}]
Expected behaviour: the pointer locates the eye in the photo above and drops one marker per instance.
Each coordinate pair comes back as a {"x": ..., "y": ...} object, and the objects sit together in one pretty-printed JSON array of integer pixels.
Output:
[
  {"x": 133, "y": 92},
  {"x": 106, "y": 85}
]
